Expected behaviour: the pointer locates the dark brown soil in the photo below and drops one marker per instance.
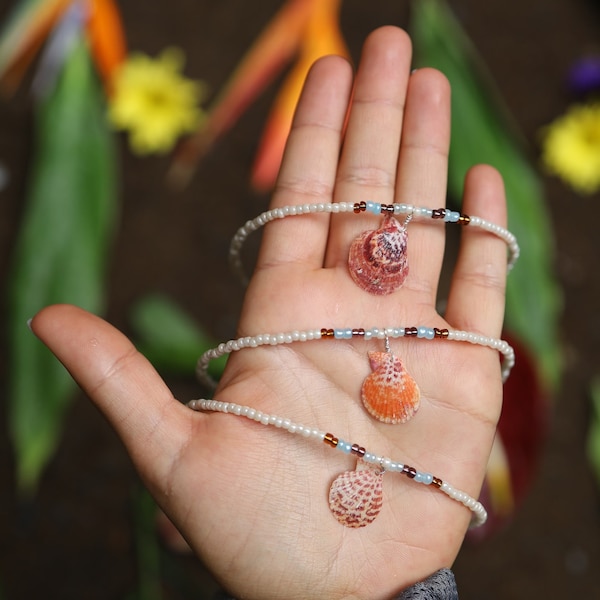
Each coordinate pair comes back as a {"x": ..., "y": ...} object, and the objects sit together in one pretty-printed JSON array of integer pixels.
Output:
[{"x": 76, "y": 538}]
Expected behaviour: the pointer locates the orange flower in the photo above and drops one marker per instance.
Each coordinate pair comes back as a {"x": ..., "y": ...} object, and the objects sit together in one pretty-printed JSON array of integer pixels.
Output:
[
  {"x": 22, "y": 37},
  {"x": 107, "y": 39},
  {"x": 31, "y": 22},
  {"x": 308, "y": 29}
]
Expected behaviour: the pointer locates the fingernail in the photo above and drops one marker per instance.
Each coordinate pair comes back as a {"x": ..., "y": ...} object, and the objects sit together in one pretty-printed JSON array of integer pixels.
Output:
[{"x": 29, "y": 323}]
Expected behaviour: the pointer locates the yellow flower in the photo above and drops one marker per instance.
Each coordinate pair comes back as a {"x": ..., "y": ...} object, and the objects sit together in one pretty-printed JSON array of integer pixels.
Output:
[
  {"x": 571, "y": 148},
  {"x": 154, "y": 102}
]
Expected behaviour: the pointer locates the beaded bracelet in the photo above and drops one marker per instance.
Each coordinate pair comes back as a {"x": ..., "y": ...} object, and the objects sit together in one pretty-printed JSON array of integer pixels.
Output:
[
  {"x": 389, "y": 393},
  {"x": 355, "y": 497},
  {"x": 398, "y": 234},
  {"x": 426, "y": 333}
]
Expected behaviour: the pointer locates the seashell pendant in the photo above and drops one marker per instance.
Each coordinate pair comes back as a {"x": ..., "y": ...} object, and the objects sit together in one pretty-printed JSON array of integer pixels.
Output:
[
  {"x": 377, "y": 260},
  {"x": 389, "y": 393},
  {"x": 356, "y": 497}
]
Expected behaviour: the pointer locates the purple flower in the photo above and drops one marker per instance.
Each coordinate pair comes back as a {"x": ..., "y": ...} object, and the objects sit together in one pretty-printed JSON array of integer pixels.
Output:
[{"x": 584, "y": 76}]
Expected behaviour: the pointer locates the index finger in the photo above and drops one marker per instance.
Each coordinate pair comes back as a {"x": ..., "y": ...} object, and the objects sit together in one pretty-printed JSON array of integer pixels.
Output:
[{"x": 309, "y": 166}]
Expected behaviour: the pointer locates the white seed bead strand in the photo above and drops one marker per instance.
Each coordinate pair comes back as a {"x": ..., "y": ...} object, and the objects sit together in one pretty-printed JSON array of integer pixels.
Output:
[
  {"x": 495, "y": 344},
  {"x": 265, "y": 339},
  {"x": 311, "y": 433},
  {"x": 271, "y": 215},
  {"x": 348, "y": 333},
  {"x": 412, "y": 212}
]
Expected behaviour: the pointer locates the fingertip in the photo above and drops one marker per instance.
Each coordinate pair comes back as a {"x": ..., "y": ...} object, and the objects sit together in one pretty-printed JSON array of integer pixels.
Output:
[
  {"x": 86, "y": 344},
  {"x": 330, "y": 64},
  {"x": 433, "y": 83},
  {"x": 68, "y": 330},
  {"x": 52, "y": 323},
  {"x": 325, "y": 93},
  {"x": 484, "y": 194},
  {"x": 390, "y": 37}
]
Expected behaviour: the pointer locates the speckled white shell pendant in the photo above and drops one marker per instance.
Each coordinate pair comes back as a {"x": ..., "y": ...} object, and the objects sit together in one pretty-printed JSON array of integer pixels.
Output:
[
  {"x": 377, "y": 260},
  {"x": 389, "y": 393},
  {"x": 356, "y": 497}
]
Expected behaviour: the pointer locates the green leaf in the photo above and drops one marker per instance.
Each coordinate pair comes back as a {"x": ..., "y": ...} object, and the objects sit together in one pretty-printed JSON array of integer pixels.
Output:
[
  {"x": 61, "y": 252},
  {"x": 483, "y": 132},
  {"x": 147, "y": 546},
  {"x": 593, "y": 438},
  {"x": 170, "y": 338}
]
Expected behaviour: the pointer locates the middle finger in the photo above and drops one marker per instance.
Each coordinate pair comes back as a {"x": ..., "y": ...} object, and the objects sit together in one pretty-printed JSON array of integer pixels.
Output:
[{"x": 367, "y": 169}]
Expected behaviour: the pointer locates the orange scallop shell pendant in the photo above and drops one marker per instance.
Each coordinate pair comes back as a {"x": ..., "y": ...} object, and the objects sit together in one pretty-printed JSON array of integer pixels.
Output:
[
  {"x": 377, "y": 260},
  {"x": 389, "y": 393},
  {"x": 356, "y": 497}
]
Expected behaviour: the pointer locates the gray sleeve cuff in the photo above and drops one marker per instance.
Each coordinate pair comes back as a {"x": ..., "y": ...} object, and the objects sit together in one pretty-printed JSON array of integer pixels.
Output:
[{"x": 439, "y": 586}]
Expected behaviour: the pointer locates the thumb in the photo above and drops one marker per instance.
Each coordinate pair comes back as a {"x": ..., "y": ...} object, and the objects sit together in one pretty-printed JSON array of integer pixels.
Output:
[{"x": 120, "y": 381}]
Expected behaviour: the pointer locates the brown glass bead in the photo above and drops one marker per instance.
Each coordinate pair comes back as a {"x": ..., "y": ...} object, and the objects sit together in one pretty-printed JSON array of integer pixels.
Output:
[
  {"x": 358, "y": 450},
  {"x": 358, "y": 332},
  {"x": 438, "y": 213},
  {"x": 437, "y": 482},
  {"x": 331, "y": 440},
  {"x": 409, "y": 471},
  {"x": 356, "y": 208},
  {"x": 464, "y": 219},
  {"x": 410, "y": 331}
]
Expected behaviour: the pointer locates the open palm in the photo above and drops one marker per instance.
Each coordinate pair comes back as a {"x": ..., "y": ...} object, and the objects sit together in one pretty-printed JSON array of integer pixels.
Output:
[{"x": 251, "y": 500}]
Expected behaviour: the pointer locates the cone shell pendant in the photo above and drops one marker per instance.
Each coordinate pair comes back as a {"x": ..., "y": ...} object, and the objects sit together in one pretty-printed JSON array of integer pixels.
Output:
[
  {"x": 389, "y": 393},
  {"x": 377, "y": 259},
  {"x": 356, "y": 497}
]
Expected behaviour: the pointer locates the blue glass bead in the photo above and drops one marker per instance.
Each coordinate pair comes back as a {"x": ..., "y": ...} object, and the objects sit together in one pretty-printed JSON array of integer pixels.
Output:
[
  {"x": 338, "y": 334},
  {"x": 425, "y": 478},
  {"x": 348, "y": 334},
  {"x": 374, "y": 207},
  {"x": 451, "y": 216},
  {"x": 345, "y": 447}
]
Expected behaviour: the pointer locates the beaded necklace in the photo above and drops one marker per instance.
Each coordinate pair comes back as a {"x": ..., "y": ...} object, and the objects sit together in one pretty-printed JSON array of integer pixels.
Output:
[
  {"x": 443, "y": 215},
  {"x": 355, "y": 497}
]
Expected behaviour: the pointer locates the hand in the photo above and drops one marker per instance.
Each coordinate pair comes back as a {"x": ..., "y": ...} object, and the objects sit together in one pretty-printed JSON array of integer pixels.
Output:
[{"x": 252, "y": 500}]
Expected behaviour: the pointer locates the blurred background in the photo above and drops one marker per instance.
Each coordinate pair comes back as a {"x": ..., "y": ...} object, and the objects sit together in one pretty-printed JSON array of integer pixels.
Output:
[{"x": 79, "y": 525}]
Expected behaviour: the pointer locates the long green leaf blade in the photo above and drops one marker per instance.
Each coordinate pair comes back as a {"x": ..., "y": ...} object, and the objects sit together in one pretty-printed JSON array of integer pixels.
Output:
[
  {"x": 482, "y": 132},
  {"x": 61, "y": 252},
  {"x": 170, "y": 338}
]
